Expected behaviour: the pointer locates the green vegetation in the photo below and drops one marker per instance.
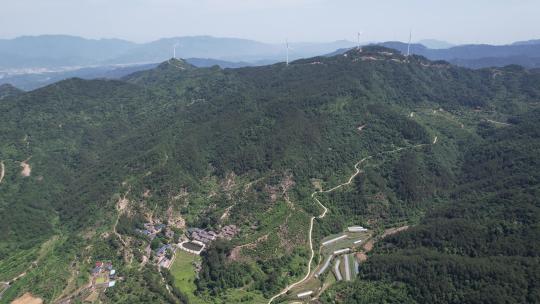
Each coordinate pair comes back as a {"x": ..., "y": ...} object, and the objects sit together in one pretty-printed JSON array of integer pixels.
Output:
[
  {"x": 481, "y": 247},
  {"x": 7, "y": 90},
  {"x": 183, "y": 271},
  {"x": 367, "y": 293},
  {"x": 243, "y": 146}
]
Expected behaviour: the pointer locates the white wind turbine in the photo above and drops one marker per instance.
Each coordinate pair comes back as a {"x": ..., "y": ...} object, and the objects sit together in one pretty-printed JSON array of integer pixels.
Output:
[
  {"x": 359, "y": 46},
  {"x": 174, "y": 49}
]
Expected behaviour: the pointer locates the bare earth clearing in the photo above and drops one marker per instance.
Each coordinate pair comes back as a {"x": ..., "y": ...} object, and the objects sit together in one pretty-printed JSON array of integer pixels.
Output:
[
  {"x": 26, "y": 169},
  {"x": 27, "y": 298},
  {"x": 391, "y": 231},
  {"x": 498, "y": 122}
]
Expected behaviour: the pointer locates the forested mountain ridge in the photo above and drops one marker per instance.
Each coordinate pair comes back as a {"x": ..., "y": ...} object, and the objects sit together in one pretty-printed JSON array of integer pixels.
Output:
[
  {"x": 198, "y": 143},
  {"x": 478, "y": 55},
  {"x": 482, "y": 248},
  {"x": 7, "y": 90}
]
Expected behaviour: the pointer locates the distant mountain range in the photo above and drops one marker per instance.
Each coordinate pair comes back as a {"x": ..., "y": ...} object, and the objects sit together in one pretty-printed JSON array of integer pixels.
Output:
[
  {"x": 436, "y": 44},
  {"x": 528, "y": 42},
  {"x": 30, "y": 81},
  {"x": 56, "y": 51},
  {"x": 30, "y": 62},
  {"x": 525, "y": 53}
]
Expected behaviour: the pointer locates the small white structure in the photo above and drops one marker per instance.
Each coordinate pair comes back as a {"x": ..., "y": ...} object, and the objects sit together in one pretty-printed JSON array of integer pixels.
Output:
[
  {"x": 305, "y": 294},
  {"x": 334, "y": 240},
  {"x": 112, "y": 283},
  {"x": 336, "y": 270},
  {"x": 341, "y": 251},
  {"x": 113, "y": 271},
  {"x": 357, "y": 229},
  {"x": 357, "y": 242},
  {"x": 325, "y": 266},
  {"x": 347, "y": 267}
]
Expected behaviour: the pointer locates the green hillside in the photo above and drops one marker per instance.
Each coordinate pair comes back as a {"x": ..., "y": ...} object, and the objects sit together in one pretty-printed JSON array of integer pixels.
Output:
[
  {"x": 87, "y": 162},
  {"x": 7, "y": 90},
  {"x": 481, "y": 246}
]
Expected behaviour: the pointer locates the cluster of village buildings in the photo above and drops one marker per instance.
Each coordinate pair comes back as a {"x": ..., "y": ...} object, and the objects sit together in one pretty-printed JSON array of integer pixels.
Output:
[
  {"x": 103, "y": 275},
  {"x": 161, "y": 255},
  {"x": 151, "y": 230},
  {"x": 205, "y": 237},
  {"x": 195, "y": 241},
  {"x": 198, "y": 238}
]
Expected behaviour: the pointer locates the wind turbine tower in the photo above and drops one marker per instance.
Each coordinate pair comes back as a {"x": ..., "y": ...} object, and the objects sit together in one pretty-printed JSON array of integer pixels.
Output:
[
  {"x": 287, "y": 46},
  {"x": 359, "y": 46},
  {"x": 409, "y": 45},
  {"x": 174, "y": 49}
]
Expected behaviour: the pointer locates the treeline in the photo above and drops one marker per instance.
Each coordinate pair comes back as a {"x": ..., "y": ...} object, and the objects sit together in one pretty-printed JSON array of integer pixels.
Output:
[
  {"x": 367, "y": 292},
  {"x": 219, "y": 272}
]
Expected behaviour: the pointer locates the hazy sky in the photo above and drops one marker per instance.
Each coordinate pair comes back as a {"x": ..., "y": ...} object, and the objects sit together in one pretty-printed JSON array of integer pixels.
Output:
[{"x": 458, "y": 21}]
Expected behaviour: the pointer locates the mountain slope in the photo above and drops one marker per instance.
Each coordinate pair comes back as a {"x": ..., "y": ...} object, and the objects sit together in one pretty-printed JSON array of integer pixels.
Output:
[
  {"x": 243, "y": 146},
  {"x": 7, "y": 90},
  {"x": 482, "y": 247}
]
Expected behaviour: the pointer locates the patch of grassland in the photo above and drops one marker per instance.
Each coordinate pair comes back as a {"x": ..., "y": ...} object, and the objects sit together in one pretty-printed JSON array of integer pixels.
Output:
[
  {"x": 100, "y": 280},
  {"x": 184, "y": 274}
]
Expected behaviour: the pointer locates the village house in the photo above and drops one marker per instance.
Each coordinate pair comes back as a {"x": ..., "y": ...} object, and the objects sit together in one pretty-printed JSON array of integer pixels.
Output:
[
  {"x": 201, "y": 235},
  {"x": 229, "y": 231},
  {"x": 150, "y": 230}
]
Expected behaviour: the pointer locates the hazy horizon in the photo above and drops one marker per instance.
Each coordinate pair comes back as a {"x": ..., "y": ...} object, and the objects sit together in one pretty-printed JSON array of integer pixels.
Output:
[{"x": 458, "y": 22}]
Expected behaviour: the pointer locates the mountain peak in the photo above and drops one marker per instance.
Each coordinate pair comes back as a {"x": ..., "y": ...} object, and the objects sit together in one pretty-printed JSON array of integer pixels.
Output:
[
  {"x": 176, "y": 63},
  {"x": 373, "y": 52},
  {"x": 8, "y": 90}
]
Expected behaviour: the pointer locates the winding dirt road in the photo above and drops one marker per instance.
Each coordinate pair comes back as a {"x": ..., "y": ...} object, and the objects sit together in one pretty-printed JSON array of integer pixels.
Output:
[
  {"x": 325, "y": 210},
  {"x": 498, "y": 122}
]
